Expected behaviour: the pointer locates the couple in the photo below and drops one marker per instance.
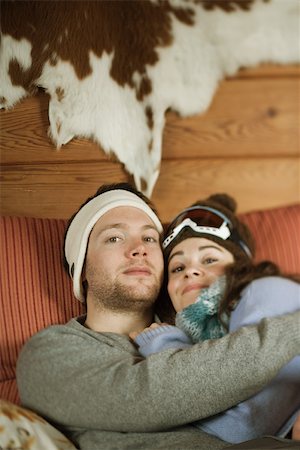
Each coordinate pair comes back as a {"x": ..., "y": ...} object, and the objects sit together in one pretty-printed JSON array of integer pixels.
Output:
[{"x": 91, "y": 380}]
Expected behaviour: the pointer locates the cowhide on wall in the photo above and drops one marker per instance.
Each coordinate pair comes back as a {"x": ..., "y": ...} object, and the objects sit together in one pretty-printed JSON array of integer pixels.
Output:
[{"x": 113, "y": 68}]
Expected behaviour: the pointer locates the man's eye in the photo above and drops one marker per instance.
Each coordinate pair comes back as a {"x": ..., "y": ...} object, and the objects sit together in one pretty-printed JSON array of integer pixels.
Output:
[
  {"x": 114, "y": 239},
  {"x": 150, "y": 239}
]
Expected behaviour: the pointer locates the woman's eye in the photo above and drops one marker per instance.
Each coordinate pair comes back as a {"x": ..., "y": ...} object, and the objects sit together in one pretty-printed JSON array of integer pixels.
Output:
[
  {"x": 210, "y": 260},
  {"x": 176, "y": 269}
]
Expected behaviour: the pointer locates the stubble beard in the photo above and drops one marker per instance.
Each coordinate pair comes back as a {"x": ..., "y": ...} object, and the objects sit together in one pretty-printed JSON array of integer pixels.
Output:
[{"x": 117, "y": 297}]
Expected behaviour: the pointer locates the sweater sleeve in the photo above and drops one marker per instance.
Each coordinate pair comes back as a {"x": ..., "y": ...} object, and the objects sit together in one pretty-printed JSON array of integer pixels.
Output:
[
  {"x": 80, "y": 379},
  {"x": 272, "y": 410},
  {"x": 161, "y": 338},
  {"x": 265, "y": 297}
]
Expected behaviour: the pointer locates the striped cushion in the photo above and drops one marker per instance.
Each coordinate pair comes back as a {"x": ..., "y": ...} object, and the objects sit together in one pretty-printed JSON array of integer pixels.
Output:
[
  {"x": 35, "y": 291},
  {"x": 277, "y": 236}
]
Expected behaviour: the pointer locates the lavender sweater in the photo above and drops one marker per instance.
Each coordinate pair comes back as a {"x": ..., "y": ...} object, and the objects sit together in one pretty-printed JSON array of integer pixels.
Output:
[{"x": 274, "y": 409}]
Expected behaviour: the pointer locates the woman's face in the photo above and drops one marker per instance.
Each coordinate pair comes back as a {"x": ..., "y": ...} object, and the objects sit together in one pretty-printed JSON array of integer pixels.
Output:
[{"x": 194, "y": 264}]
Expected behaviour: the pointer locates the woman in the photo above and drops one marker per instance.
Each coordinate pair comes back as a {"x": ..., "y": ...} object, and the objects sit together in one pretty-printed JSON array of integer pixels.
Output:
[{"x": 215, "y": 288}]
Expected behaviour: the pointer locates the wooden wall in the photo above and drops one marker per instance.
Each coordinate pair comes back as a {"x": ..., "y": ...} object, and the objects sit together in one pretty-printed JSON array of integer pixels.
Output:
[{"x": 246, "y": 144}]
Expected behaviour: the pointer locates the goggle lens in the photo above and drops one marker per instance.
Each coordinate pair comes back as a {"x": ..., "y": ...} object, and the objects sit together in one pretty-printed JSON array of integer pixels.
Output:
[
  {"x": 201, "y": 217},
  {"x": 206, "y": 220}
]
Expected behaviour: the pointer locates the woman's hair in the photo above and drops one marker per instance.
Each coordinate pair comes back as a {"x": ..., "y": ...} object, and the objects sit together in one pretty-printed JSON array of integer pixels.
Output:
[{"x": 238, "y": 275}]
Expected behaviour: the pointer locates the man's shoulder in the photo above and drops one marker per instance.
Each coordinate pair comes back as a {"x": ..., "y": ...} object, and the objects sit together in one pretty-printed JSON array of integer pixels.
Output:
[
  {"x": 72, "y": 336},
  {"x": 52, "y": 330},
  {"x": 44, "y": 339}
]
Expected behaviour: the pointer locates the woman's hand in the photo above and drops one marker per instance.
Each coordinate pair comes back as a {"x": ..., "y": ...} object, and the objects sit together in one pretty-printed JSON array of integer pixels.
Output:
[
  {"x": 134, "y": 334},
  {"x": 296, "y": 430}
]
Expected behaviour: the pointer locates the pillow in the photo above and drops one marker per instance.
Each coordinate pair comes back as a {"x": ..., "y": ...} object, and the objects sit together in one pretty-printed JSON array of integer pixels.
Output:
[
  {"x": 277, "y": 236},
  {"x": 35, "y": 291},
  {"x": 23, "y": 429}
]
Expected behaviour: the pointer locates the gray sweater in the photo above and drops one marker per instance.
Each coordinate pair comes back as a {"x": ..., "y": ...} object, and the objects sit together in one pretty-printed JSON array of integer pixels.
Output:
[{"x": 102, "y": 394}]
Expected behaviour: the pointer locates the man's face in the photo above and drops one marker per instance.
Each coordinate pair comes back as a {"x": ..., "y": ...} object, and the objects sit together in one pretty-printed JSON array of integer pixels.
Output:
[{"x": 124, "y": 262}]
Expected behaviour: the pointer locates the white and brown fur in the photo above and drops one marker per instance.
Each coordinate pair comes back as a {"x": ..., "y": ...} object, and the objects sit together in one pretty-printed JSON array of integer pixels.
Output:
[{"x": 113, "y": 68}]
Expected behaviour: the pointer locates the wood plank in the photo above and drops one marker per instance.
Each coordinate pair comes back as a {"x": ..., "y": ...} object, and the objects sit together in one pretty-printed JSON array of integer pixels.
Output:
[
  {"x": 247, "y": 117},
  {"x": 253, "y": 117},
  {"x": 269, "y": 70},
  {"x": 249, "y": 138},
  {"x": 255, "y": 183},
  {"x": 53, "y": 190},
  {"x": 24, "y": 136},
  {"x": 57, "y": 190}
]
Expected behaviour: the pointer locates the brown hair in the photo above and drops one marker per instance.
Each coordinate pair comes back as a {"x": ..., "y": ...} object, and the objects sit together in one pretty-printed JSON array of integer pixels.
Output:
[{"x": 238, "y": 275}]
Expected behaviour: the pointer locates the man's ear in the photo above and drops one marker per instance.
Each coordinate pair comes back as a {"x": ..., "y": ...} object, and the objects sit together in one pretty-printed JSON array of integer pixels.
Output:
[
  {"x": 83, "y": 274},
  {"x": 85, "y": 288},
  {"x": 84, "y": 281}
]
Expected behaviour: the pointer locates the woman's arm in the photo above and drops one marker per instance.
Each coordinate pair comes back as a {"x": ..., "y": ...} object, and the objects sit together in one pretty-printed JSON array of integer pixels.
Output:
[{"x": 157, "y": 338}]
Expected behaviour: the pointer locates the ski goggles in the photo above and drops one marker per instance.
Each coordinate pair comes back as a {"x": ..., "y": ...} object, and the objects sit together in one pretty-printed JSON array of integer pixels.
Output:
[{"x": 205, "y": 220}]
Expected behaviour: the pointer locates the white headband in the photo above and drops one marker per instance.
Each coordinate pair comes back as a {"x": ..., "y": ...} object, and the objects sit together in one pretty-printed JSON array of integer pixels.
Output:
[{"x": 81, "y": 226}]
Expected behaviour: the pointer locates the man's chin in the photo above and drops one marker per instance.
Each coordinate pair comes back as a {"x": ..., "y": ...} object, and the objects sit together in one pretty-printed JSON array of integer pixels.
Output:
[
  {"x": 137, "y": 300},
  {"x": 143, "y": 293}
]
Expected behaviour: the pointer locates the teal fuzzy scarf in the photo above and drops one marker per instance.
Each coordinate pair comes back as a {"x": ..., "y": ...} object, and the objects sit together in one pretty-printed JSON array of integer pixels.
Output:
[{"x": 200, "y": 320}]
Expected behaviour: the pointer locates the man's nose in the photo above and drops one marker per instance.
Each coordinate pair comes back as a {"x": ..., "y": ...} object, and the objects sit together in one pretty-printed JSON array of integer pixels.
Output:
[{"x": 137, "y": 249}]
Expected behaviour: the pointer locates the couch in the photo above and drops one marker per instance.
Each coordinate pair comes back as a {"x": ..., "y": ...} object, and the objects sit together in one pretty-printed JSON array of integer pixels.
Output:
[{"x": 36, "y": 292}]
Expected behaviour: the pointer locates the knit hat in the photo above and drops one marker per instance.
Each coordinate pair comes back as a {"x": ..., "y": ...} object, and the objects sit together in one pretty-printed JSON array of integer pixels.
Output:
[
  {"x": 78, "y": 233},
  {"x": 215, "y": 219}
]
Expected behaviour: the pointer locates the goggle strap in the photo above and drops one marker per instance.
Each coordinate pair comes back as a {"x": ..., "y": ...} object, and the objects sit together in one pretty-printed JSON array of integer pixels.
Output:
[
  {"x": 223, "y": 232},
  {"x": 236, "y": 238}
]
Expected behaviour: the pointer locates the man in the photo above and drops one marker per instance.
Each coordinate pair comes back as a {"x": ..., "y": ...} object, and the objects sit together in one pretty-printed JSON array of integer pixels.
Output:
[{"x": 87, "y": 377}]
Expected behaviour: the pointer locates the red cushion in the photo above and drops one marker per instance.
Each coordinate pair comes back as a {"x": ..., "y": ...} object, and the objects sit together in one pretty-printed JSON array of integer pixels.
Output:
[
  {"x": 277, "y": 236},
  {"x": 35, "y": 291}
]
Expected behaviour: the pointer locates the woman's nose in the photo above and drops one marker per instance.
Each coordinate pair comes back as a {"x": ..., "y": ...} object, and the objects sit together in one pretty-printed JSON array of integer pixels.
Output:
[{"x": 194, "y": 271}]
